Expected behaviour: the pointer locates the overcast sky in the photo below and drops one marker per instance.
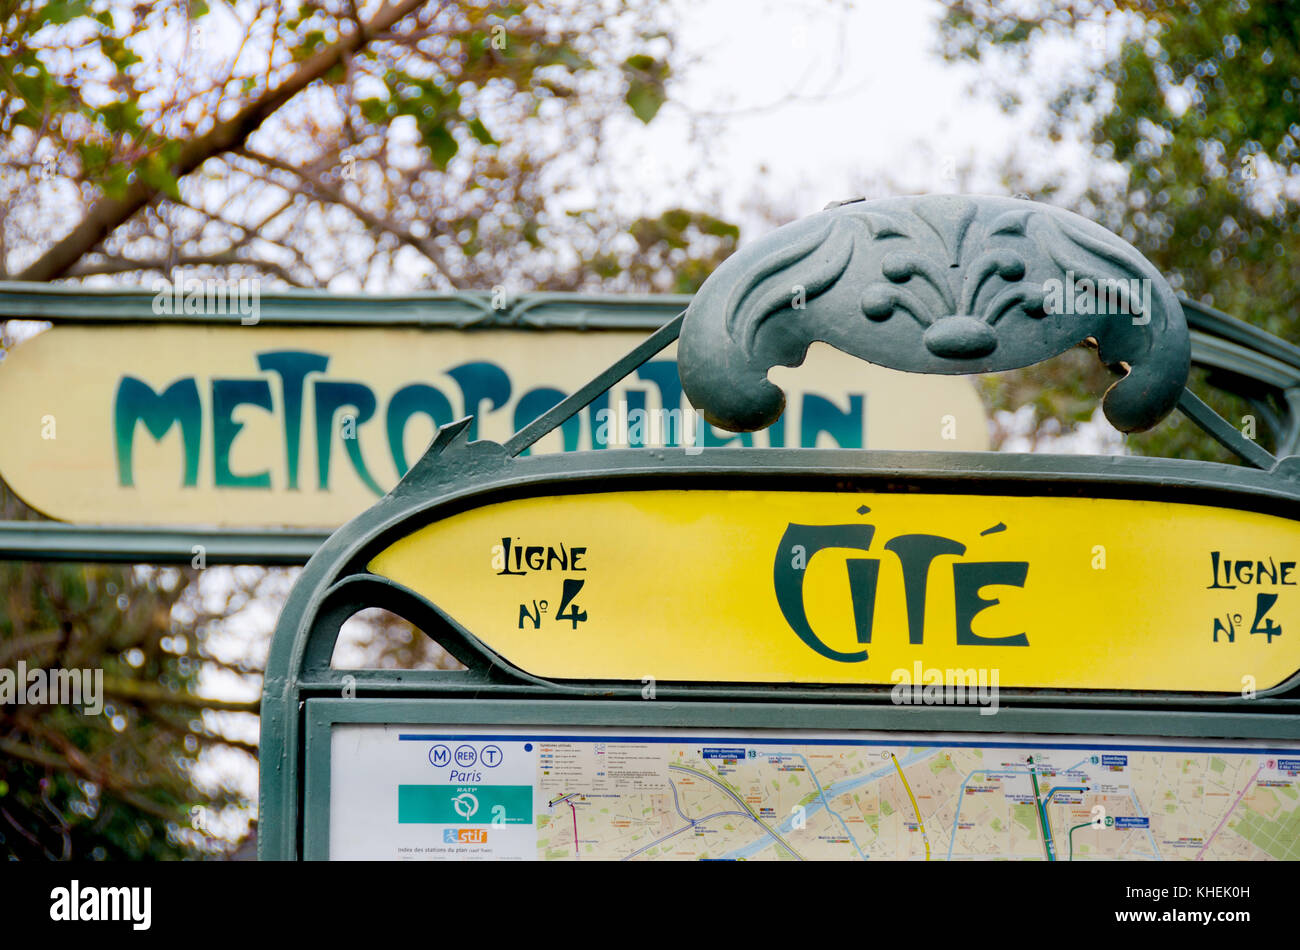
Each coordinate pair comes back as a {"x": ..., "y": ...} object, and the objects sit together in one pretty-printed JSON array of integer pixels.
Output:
[{"x": 828, "y": 101}]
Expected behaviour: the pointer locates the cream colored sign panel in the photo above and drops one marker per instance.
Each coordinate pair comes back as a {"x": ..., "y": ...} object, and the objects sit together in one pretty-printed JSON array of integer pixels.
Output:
[{"x": 297, "y": 427}]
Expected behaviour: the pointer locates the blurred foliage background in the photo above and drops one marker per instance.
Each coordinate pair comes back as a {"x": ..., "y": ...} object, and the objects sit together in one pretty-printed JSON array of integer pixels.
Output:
[
  {"x": 396, "y": 146},
  {"x": 1191, "y": 112},
  {"x": 423, "y": 145}
]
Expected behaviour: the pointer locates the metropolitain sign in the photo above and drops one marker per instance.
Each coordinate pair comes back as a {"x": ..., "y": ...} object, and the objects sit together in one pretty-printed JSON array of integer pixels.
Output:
[
  {"x": 306, "y": 427},
  {"x": 854, "y": 587}
]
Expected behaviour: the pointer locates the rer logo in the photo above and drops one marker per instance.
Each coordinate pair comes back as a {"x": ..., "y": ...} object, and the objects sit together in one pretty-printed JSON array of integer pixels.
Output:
[{"x": 464, "y": 836}]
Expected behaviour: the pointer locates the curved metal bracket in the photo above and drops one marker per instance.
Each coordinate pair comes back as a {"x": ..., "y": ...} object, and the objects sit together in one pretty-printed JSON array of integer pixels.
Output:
[
  {"x": 934, "y": 284},
  {"x": 359, "y": 591}
]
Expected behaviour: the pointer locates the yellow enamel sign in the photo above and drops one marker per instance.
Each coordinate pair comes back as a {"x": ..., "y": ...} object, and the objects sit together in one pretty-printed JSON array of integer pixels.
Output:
[
  {"x": 249, "y": 426},
  {"x": 824, "y": 587}
]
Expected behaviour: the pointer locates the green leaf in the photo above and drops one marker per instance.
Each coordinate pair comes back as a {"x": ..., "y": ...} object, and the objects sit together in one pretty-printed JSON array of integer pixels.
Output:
[
  {"x": 114, "y": 183},
  {"x": 120, "y": 116},
  {"x": 118, "y": 52},
  {"x": 155, "y": 173},
  {"x": 645, "y": 88},
  {"x": 442, "y": 145},
  {"x": 644, "y": 99},
  {"x": 641, "y": 63},
  {"x": 480, "y": 132},
  {"x": 94, "y": 156},
  {"x": 375, "y": 111},
  {"x": 58, "y": 11},
  {"x": 567, "y": 56}
]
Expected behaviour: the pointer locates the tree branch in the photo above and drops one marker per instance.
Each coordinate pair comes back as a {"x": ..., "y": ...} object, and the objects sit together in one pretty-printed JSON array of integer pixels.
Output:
[
  {"x": 153, "y": 693},
  {"x": 113, "y": 264},
  {"x": 77, "y": 764},
  {"x": 106, "y": 214},
  {"x": 425, "y": 246}
]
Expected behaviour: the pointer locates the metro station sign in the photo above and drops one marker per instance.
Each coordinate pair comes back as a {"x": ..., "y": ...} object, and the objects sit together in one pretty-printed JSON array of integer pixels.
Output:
[
  {"x": 262, "y": 426},
  {"x": 802, "y": 616},
  {"x": 865, "y": 588}
]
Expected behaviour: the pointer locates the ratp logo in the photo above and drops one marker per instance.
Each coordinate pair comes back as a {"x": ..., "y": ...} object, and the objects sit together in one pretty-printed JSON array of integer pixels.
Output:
[{"x": 465, "y": 804}]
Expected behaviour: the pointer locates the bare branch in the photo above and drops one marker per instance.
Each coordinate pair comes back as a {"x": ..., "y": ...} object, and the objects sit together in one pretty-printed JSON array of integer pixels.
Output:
[
  {"x": 107, "y": 214},
  {"x": 112, "y": 264},
  {"x": 153, "y": 693},
  {"x": 425, "y": 246}
]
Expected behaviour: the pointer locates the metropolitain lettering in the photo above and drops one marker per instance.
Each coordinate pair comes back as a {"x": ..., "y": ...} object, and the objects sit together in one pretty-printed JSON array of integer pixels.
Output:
[{"x": 481, "y": 387}]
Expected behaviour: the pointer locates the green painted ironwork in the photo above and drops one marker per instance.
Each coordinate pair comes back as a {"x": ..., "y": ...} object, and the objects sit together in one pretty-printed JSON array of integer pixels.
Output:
[
  {"x": 726, "y": 361},
  {"x": 459, "y": 310},
  {"x": 475, "y": 709},
  {"x": 1247, "y": 361},
  {"x": 55, "y": 541},
  {"x": 949, "y": 284}
]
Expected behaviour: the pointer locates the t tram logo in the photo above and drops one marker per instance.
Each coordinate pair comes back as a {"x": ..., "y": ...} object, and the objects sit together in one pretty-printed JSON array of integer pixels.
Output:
[{"x": 916, "y": 554}]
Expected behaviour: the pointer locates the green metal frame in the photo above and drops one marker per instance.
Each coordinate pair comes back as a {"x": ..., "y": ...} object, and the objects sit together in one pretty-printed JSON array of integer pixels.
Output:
[
  {"x": 468, "y": 309},
  {"x": 1245, "y": 360},
  {"x": 320, "y": 716},
  {"x": 724, "y": 360}
]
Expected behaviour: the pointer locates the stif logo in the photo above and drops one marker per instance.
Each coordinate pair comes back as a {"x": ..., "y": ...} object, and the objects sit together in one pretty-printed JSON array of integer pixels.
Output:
[{"x": 464, "y": 836}]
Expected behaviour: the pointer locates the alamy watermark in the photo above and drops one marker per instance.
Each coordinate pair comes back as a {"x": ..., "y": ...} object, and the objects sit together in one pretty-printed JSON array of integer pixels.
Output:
[
  {"x": 57, "y": 687},
  {"x": 197, "y": 296},
  {"x": 624, "y": 427},
  {"x": 85, "y": 902},
  {"x": 934, "y": 687},
  {"x": 1102, "y": 296}
]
